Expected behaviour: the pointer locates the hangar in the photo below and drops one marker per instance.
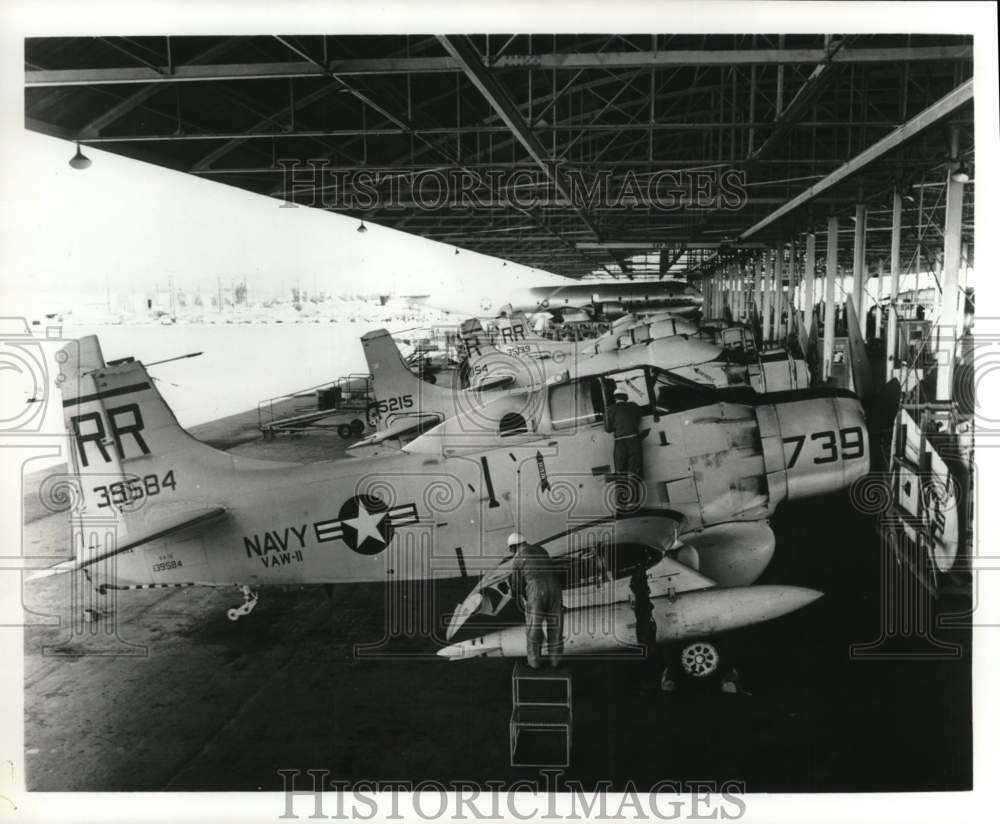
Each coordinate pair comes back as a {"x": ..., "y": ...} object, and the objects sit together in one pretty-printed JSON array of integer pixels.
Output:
[
  {"x": 819, "y": 124},
  {"x": 766, "y": 169}
]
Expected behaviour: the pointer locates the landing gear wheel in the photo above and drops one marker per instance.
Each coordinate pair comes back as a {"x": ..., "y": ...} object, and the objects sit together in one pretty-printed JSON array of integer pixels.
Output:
[
  {"x": 700, "y": 659},
  {"x": 357, "y": 427},
  {"x": 344, "y": 430}
]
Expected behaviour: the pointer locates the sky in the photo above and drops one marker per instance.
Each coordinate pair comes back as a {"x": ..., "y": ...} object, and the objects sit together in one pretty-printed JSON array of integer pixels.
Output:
[{"x": 123, "y": 224}]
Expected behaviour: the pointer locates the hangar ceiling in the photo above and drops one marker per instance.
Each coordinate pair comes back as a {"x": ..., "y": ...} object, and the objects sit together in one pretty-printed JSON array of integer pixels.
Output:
[{"x": 577, "y": 154}]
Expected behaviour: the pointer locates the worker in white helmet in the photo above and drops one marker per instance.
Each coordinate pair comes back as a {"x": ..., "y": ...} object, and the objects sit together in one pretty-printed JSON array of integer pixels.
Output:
[{"x": 534, "y": 578}]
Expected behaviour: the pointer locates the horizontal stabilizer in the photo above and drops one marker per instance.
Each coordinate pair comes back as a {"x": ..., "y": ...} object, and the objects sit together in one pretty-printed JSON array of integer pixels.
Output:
[
  {"x": 499, "y": 382},
  {"x": 406, "y": 428},
  {"x": 142, "y": 531}
]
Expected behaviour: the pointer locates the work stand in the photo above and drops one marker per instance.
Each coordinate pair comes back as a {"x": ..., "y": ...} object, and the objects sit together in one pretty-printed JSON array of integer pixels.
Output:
[{"x": 541, "y": 721}]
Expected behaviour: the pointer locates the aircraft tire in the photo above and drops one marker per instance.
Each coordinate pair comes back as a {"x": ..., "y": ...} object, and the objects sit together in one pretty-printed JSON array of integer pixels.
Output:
[{"x": 699, "y": 659}]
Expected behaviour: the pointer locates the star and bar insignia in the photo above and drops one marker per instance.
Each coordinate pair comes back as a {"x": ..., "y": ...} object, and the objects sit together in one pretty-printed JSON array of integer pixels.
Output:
[{"x": 366, "y": 524}]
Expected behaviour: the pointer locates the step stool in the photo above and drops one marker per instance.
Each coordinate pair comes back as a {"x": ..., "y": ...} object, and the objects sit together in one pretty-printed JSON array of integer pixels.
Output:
[{"x": 541, "y": 721}]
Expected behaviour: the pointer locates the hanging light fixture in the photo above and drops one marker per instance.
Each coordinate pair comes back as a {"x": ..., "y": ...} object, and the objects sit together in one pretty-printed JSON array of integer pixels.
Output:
[
  {"x": 961, "y": 174},
  {"x": 362, "y": 228},
  {"x": 79, "y": 160}
]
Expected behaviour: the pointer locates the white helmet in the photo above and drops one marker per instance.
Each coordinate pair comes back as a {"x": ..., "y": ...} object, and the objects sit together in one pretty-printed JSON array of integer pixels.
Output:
[{"x": 515, "y": 539}]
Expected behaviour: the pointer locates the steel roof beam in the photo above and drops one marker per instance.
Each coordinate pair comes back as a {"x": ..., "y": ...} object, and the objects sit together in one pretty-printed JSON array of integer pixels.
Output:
[
  {"x": 137, "y": 98},
  {"x": 463, "y": 50},
  {"x": 402, "y": 129},
  {"x": 266, "y": 126},
  {"x": 807, "y": 94},
  {"x": 938, "y": 110},
  {"x": 417, "y": 65},
  {"x": 729, "y": 57},
  {"x": 654, "y": 245}
]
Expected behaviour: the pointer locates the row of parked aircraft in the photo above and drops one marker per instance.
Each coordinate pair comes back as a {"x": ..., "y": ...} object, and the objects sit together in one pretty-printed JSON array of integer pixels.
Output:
[{"x": 729, "y": 431}]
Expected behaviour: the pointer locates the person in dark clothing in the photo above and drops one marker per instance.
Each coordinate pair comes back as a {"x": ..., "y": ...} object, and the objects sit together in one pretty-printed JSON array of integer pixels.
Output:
[
  {"x": 645, "y": 626},
  {"x": 535, "y": 579},
  {"x": 622, "y": 420}
]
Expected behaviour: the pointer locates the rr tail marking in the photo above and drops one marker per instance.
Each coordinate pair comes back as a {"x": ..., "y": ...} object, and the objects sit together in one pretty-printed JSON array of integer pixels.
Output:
[
  {"x": 514, "y": 333},
  {"x": 132, "y": 427}
]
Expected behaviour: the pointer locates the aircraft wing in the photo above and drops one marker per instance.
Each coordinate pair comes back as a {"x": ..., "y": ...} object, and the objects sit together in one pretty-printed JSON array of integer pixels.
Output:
[
  {"x": 696, "y": 588},
  {"x": 488, "y": 597},
  {"x": 652, "y": 533}
]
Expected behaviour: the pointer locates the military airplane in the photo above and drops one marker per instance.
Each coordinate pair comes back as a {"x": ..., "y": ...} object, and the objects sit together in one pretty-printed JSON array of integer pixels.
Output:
[
  {"x": 606, "y": 299},
  {"x": 513, "y": 334},
  {"x": 154, "y": 507},
  {"x": 719, "y": 461},
  {"x": 405, "y": 406},
  {"x": 691, "y": 357}
]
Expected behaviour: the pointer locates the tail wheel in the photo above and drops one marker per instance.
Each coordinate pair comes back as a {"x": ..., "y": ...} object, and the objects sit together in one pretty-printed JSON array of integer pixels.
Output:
[
  {"x": 700, "y": 659},
  {"x": 357, "y": 427},
  {"x": 344, "y": 430}
]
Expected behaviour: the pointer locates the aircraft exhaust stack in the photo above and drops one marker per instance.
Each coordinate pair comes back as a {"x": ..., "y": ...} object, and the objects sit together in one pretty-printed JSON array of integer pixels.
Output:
[{"x": 611, "y": 627}]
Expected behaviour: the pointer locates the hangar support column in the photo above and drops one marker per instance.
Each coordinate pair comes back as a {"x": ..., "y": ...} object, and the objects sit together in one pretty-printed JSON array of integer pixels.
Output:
[
  {"x": 738, "y": 308},
  {"x": 860, "y": 269},
  {"x": 779, "y": 295},
  {"x": 766, "y": 288},
  {"x": 791, "y": 300},
  {"x": 832, "y": 227},
  {"x": 948, "y": 332},
  {"x": 890, "y": 332},
  {"x": 809, "y": 280},
  {"x": 879, "y": 290}
]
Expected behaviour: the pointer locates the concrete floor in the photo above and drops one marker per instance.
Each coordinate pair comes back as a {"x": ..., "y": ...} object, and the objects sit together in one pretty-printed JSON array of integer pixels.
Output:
[{"x": 183, "y": 699}]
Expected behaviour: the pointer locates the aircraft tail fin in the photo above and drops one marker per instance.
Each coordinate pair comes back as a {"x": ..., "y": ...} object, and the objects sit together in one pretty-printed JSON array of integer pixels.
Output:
[
  {"x": 385, "y": 362},
  {"x": 399, "y": 393},
  {"x": 133, "y": 465},
  {"x": 518, "y": 327}
]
